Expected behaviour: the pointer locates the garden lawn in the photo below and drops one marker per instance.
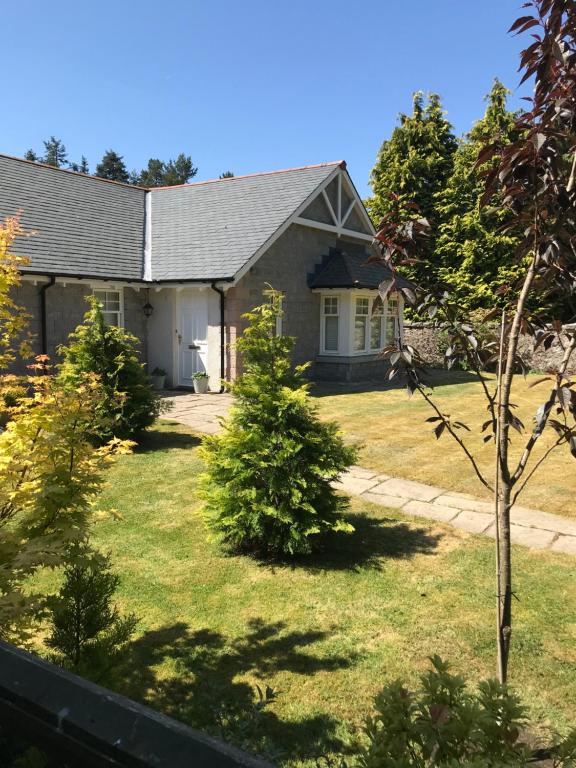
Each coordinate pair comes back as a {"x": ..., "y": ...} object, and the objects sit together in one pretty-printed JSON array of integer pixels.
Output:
[
  {"x": 325, "y": 633},
  {"x": 396, "y": 439}
]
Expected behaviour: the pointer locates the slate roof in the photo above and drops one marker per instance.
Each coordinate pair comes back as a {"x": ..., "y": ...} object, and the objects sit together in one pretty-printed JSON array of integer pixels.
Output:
[
  {"x": 349, "y": 269},
  {"x": 86, "y": 227},
  {"x": 209, "y": 230}
]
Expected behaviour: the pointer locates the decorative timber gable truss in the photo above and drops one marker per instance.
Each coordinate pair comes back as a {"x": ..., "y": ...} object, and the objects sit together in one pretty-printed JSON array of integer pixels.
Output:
[{"x": 337, "y": 208}]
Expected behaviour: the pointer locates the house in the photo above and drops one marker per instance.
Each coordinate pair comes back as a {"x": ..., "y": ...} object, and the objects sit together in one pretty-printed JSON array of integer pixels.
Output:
[{"x": 178, "y": 266}]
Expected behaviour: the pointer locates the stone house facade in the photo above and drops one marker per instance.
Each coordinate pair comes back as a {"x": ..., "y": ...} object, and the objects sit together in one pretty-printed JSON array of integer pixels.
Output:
[{"x": 179, "y": 266}]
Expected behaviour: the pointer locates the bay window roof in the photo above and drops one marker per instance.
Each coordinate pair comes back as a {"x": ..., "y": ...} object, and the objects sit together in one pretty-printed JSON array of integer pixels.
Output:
[{"x": 351, "y": 269}]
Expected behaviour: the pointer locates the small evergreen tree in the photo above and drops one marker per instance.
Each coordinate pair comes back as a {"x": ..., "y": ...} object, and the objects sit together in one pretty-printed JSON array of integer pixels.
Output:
[
  {"x": 267, "y": 488},
  {"x": 128, "y": 405},
  {"x": 179, "y": 171},
  {"x": 31, "y": 156},
  {"x": 55, "y": 153},
  {"x": 112, "y": 167},
  {"x": 161, "y": 174},
  {"x": 226, "y": 175},
  {"x": 81, "y": 167},
  {"x": 88, "y": 633}
]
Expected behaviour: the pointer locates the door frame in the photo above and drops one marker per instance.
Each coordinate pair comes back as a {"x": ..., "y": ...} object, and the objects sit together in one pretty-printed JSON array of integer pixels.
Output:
[{"x": 177, "y": 316}]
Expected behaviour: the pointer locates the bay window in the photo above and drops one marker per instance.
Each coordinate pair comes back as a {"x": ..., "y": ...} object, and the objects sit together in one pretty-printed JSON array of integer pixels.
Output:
[{"x": 356, "y": 322}]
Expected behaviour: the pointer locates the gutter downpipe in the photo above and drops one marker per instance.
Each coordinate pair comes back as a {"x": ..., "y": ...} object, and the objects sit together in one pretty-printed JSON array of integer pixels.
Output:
[
  {"x": 222, "y": 334},
  {"x": 42, "y": 292}
]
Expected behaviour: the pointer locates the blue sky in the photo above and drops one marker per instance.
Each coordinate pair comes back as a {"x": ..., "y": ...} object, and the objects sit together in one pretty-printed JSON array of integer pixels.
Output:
[{"x": 247, "y": 86}]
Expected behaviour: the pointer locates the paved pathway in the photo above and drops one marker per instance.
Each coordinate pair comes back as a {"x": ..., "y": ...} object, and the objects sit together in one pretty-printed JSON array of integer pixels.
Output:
[{"x": 530, "y": 527}]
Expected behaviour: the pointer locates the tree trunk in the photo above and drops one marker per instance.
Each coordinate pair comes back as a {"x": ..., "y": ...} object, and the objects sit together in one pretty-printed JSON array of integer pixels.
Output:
[{"x": 504, "y": 579}]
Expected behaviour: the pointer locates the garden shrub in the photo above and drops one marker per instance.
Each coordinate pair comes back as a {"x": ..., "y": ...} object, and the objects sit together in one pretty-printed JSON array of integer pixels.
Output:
[
  {"x": 128, "y": 404},
  {"x": 50, "y": 475},
  {"x": 444, "y": 724},
  {"x": 88, "y": 634},
  {"x": 267, "y": 485}
]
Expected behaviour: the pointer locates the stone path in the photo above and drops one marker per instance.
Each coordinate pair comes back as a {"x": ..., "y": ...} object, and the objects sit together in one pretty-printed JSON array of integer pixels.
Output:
[{"x": 530, "y": 527}]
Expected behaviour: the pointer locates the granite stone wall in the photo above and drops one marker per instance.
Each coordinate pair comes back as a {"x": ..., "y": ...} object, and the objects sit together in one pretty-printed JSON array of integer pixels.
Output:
[
  {"x": 65, "y": 309},
  {"x": 427, "y": 341}
]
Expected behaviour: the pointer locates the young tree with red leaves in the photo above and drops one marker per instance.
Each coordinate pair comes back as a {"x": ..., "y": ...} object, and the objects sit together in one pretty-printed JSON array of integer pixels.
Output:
[{"x": 534, "y": 179}]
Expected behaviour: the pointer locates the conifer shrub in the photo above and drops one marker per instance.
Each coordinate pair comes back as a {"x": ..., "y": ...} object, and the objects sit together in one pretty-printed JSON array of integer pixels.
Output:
[
  {"x": 128, "y": 404},
  {"x": 267, "y": 488},
  {"x": 88, "y": 634}
]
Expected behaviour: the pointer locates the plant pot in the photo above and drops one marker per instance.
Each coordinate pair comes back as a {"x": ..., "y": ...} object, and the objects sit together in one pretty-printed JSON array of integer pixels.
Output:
[
  {"x": 200, "y": 386},
  {"x": 158, "y": 382}
]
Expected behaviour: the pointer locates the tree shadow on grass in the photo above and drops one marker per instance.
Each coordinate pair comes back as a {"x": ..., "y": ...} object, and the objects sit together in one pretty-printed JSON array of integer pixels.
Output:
[
  {"x": 373, "y": 541},
  {"x": 198, "y": 685},
  {"x": 159, "y": 440}
]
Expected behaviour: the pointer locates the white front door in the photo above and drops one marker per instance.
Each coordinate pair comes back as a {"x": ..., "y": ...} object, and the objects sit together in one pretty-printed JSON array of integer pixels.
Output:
[{"x": 192, "y": 335}]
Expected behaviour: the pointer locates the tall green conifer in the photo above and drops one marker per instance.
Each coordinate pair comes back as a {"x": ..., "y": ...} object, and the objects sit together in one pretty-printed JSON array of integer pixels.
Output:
[{"x": 474, "y": 256}]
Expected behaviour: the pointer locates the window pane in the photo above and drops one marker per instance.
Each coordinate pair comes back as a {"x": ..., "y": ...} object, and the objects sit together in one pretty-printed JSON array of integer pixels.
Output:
[
  {"x": 362, "y": 306},
  {"x": 111, "y": 318},
  {"x": 331, "y": 333},
  {"x": 376, "y": 332},
  {"x": 331, "y": 305},
  {"x": 360, "y": 334}
]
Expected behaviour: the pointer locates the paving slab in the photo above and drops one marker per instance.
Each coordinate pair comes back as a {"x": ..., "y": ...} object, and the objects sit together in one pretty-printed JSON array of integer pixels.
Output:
[
  {"x": 393, "y": 502},
  {"x": 366, "y": 474},
  {"x": 565, "y": 544},
  {"x": 432, "y": 511},
  {"x": 535, "y": 538},
  {"x": 535, "y": 519},
  {"x": 355, "y": 485},
  {"x": 465, "y": 502},
  {"x": 473, "y": 522},
  {"x": 408, "y": 489}
]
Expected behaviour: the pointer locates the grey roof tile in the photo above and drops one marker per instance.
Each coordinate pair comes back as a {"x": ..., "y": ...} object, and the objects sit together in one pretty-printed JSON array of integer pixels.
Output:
[
  {"x": 349, "y": 269},
  {"x": 210, "y": 230},
  {"x": 84, "y": 225}
]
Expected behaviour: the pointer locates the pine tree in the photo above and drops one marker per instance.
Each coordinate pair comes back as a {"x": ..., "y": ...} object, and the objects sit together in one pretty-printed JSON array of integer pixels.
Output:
[
  {"x": 153, "y": 174},
  {"x": 81, "y": 167},
  {"x": 32, "y": 156},
  {"x": 226, "y": 175},
  {"x": 55, "y": 153},
  {"x": 161, "y": 174},
  {"x": 476, "y": 258},
  {"x": 267, "y": 488},
  {"x": 179, "y": 171},
  {"x": 112, "y": 167},
  {"x": 413, "y": 166}
]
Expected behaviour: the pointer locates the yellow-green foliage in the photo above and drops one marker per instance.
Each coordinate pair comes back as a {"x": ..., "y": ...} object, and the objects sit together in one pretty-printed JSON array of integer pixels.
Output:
[
  {"x": 12, "y": 317},
  {"x": 49, "y": 477},
  {"x": 267, "y": 486}
]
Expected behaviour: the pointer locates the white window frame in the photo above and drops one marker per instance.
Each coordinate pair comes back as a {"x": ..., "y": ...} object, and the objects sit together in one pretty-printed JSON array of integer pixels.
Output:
[
  {"x": 120, "y": 312},
  {"x": 385, "y": 340},
  {"x": 323, "y": 316},
  {"x": 280, "y": 317}
]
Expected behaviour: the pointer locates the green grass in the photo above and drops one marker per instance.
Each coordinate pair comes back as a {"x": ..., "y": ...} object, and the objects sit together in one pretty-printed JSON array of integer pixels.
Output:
[
  {"x": 326, "y": 633},
  {"x": 396, "y": 439}
]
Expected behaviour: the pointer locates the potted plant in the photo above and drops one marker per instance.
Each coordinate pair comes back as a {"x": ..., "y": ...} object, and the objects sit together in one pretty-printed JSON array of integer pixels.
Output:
[
  {"x": 200, "y": 382},
  {"x": 158, "y": 378}
]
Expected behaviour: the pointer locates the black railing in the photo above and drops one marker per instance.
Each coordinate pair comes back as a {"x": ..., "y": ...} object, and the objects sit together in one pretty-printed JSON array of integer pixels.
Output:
[{"x": 82, "y": 724}]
